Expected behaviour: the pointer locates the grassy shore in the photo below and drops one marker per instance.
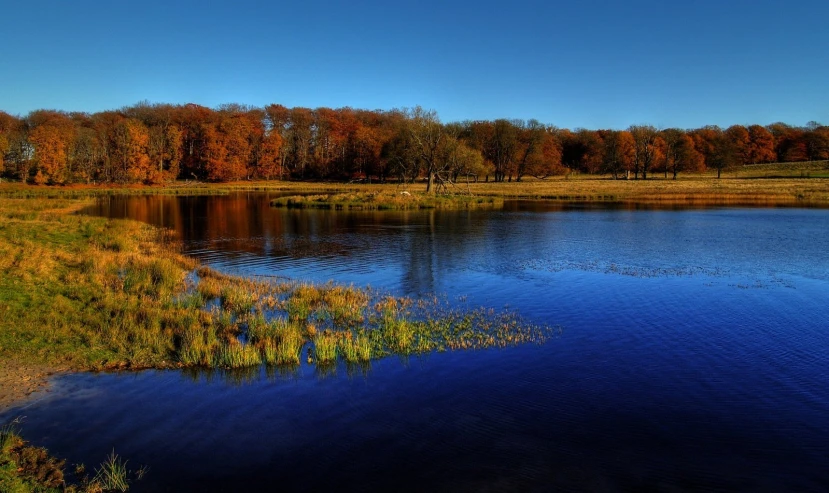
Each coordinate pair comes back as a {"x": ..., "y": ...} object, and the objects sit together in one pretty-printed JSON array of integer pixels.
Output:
[{"x": 89, "y": 293}]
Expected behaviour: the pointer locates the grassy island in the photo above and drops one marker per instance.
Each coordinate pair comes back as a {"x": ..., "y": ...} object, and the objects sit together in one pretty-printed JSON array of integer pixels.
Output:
[{"x": 387, "y": 200}]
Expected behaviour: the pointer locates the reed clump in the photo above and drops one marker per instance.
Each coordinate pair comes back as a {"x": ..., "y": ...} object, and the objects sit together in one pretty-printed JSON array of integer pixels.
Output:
[
  {"x": 325, "y": 348},
  {"x": 355, "y": 348}
]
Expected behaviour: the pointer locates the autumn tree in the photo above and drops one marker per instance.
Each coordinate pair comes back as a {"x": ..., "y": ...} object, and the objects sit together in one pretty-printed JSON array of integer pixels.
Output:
[
  {"x": 502, "y": 148},
  {"x": 740, "y": 140},
  {"x": 761, "y": 145},
  {"x": 680, "y": 153},
  {"x": 817, "y": 142},
  {"x": 269, "y": 156},
  {"x": 128, "y": 149},
  {"x": 788, "y": 142},
  {"x": 545, "y": 161},
  {"x": 618, "y": 151},
  {"x": 644, "y": 149},
  {"x": 9, "y": 128},
  {"x": 51, "y": 135},
  {"x": 230, "y": 143},
  {"x": 530, "y": 136},
  {"x": 723, "y": 154}
]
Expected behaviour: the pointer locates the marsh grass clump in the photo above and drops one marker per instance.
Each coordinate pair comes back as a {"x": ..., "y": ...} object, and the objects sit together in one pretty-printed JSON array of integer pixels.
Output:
[
  {"x": 234, "y": 354},
  {"x": 399, "y": 335},
  {"x": 237, "y": 299},
  {"x": 325, "y": 348},
  {"x": 356, "y": 348},
  {"x": 192, "y": 300},
  {"x": 345, "y": 305},
  {"x": 198, "y": 346},
  {"x": 285, "y": 347},
  {"x": 209, "y": 288}
]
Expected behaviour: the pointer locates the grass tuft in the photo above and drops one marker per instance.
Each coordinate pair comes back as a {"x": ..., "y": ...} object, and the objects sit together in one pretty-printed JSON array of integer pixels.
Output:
[
  {"x": 112, "y": 475},
  {"x": 325, "y": 348}
]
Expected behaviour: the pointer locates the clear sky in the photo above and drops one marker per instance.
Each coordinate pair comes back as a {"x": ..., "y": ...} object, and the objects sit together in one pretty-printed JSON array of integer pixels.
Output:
[{"x": 592, "y": 64}]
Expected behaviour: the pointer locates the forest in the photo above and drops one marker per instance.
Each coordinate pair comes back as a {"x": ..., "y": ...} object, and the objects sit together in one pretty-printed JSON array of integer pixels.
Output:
[{"x": 157, "y": 143}]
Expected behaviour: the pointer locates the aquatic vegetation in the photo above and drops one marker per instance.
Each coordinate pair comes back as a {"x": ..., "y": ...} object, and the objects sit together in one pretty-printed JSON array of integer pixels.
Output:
[
  {"x": 289, "y": 346},
  {"x": 138, "y": 303},
  {"x": 325, "y": 348},
  {"x": 237, "y": 299},
  {"x": 387, "y": 200},
  {"x": 234, "y": 354},
  {"x": 112, "y": 474},
  {"x": 355, "y": 348}
]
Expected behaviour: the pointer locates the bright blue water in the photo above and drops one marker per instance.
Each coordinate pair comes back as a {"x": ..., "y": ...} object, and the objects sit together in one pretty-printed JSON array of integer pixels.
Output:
[{"x": 692, "y": 357}]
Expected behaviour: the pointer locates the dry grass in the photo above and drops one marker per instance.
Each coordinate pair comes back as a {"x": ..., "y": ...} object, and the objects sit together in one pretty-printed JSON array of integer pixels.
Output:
[{"x": 804, "y": 183}]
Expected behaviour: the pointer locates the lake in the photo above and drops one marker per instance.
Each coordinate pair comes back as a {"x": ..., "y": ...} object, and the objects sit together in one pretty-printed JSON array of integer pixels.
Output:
[{"x": 689, "y": 354}]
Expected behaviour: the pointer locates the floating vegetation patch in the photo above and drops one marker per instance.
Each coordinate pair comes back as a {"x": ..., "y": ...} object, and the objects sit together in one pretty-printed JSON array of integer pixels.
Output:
[
  {"x": 388, "y": 200},
  {"x": 279, "y": 320}
]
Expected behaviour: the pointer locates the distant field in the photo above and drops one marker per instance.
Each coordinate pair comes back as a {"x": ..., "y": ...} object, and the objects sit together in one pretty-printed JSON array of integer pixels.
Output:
[{"x": 765, "y": 184}]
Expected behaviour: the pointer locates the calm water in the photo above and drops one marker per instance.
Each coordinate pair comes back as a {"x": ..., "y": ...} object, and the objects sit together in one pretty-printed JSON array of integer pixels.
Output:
[{"x": 692, "y": 357}]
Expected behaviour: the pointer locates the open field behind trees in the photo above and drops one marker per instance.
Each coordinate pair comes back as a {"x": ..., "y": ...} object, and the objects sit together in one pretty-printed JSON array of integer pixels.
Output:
[{"x": 159, "y": 143}]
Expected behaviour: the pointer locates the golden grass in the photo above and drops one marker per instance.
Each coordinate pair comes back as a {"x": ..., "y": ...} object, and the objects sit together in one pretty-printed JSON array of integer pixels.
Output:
[{"x": 804, "y": 183}]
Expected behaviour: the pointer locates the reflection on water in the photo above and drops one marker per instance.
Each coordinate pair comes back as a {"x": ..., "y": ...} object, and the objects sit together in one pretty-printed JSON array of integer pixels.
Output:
[
  {"x": 416, "y": 252},
  {"x": 670, "y": 374}
]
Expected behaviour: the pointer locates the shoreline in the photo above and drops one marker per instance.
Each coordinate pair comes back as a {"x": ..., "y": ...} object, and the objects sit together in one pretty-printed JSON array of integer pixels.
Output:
[{"x": 21, "y": 382}]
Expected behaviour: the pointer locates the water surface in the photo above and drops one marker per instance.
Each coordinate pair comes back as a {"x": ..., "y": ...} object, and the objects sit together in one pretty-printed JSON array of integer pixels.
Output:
[{"x": 691, "y": 356}]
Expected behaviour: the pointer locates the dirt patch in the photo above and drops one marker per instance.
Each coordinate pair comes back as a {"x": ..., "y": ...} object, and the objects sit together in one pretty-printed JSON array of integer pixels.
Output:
[{"x": 19, "y": 381}]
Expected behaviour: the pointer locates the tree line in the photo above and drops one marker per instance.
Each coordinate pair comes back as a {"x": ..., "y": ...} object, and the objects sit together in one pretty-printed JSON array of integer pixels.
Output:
[{"x": 157, "y": 143}]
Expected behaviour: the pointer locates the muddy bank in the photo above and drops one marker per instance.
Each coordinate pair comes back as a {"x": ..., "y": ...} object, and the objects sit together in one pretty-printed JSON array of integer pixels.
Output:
[{"x": 19, "y": 381}]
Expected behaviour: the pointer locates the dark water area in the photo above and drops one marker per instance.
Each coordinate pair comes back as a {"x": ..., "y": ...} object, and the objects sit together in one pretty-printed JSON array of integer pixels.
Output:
[{"x": 692, "y": 357}]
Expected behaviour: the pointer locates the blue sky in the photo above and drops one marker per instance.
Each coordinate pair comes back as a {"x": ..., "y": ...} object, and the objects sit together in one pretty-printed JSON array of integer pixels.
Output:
[{"x": 589, "y": 64}]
